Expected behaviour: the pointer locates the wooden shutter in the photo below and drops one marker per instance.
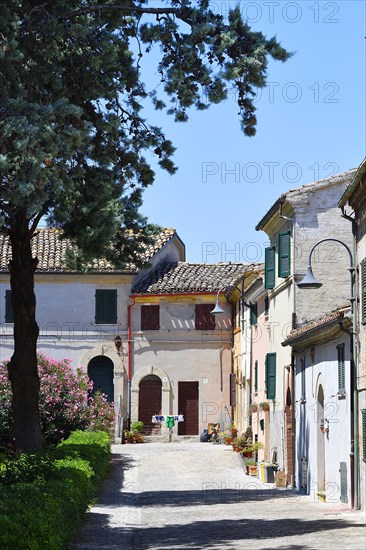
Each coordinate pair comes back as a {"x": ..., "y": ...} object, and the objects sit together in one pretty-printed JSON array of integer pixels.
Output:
[
  {"x": 363, "y": 291},
  {"x": 253, "y": 314},
  {"x": 204, "y": 318},
  {"x": 106, "y": 306},
  {"x": 341, "y": 369},
  {"x": 150, "y": 317},
  {"x": 232, "y": 390},
  {"x": 256, "y": 376},
  {"x": 269, "y": 274},
  {"x": 9, "y": 314},
  {"x": 271, "y": 375},
  {"x": 364, "y": 435},
  {"x": 284, "y": 268}
]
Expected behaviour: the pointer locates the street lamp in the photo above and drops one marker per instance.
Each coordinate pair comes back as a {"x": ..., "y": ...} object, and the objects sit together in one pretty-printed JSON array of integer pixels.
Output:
[
  {"x": 309, "y": 281},
  {"x": 218, "y": 310}
]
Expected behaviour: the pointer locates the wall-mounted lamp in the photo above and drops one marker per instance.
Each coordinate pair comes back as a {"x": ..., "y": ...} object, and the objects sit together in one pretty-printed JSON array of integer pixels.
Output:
[{"x": 118, "y": 344}]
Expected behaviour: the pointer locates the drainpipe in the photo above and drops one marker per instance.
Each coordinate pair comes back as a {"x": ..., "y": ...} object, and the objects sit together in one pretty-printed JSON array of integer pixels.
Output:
[
  {"x": 129, "y": 357},
  {"x": 354, "y": 369},
  {"x": 293, "y": 422}
]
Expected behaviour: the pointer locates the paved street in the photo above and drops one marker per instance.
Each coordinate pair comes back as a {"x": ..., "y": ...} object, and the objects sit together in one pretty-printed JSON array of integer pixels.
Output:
[{"x": 195, "y": 495}]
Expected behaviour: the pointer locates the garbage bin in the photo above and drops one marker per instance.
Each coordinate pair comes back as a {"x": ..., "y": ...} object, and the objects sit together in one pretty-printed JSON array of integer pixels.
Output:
[
  {"x": 261, "y": 471},
  {"x": 269, "y": 472}
]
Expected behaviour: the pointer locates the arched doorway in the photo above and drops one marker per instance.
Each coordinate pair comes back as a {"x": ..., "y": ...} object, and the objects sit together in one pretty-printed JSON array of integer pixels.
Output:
[
  {"x": 320, "y": 441},
  {"x": 100, "y": 371},
  {"x": 150, "y": 402}
]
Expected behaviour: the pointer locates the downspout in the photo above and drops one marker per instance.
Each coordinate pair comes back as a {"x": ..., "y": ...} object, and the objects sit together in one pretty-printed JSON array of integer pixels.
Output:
[
  {"x": 129, "y": 360},
  {"x": 354, "y": 369},
  {"x": 293, "y": 421}
]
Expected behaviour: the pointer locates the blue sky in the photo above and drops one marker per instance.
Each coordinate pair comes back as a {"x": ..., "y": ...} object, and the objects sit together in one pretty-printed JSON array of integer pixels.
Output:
[{"x": 311, "y": 124}]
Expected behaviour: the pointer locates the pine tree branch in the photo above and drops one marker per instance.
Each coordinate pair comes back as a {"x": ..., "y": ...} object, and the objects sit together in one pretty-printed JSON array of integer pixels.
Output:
[{"x": 178, "y": 12}]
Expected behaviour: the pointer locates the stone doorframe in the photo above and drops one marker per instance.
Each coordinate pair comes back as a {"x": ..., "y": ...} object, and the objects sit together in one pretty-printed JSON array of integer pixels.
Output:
[
  {"x": 135, "y": 390},
  {"x": 107, "y": 349}
]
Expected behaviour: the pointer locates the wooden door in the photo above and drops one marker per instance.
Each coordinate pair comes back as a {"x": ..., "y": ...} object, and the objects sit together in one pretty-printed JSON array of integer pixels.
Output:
[
  {"x": 150, "y": 403},
  {"x": 188, "y": 406}
]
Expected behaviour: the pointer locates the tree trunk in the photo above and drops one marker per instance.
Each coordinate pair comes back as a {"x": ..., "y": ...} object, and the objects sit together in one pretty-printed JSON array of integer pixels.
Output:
[{"x": 23, "y": 371}]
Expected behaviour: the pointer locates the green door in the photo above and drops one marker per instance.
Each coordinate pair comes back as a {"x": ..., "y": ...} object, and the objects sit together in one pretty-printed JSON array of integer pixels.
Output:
[{"x": 100, "y": 371}]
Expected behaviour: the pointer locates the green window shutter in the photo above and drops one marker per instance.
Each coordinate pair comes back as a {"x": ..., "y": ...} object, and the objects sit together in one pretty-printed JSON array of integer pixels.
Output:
[
  {"x": 284, "y": 268},
  {"x": 253, "y": 314},
  {"x": 269, "y": 258},
  {"x": 256, "y": 376},
  {"x": 363, "y": 291},
  {"x": 271, "y": 375},
  {"x": 105, "y": 307},
  {"x": 9, "y": 314},
  {"x": 341, "y": 369},
  {"x": 364, "y": 434}
]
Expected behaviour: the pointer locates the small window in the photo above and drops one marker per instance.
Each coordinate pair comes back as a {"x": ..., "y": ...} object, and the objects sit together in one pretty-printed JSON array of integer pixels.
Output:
[
  {"x": 150, "y": 317},
  {"x": 9, "y": 313},
  {"x": 105, "y": 307},
  {"x": 269, "y": 271},
  {"x": 341, "y": 370},
  {"x": 266, "y": 306},
  {"x": 284, "y": 268},
  {"x": 303, "y": 379},
  {"x": 256, "y": 376},
  {"x": 271, "y": 375},
  {"x": 253, "y": 314},
  {"x": 204, "y": 318}
]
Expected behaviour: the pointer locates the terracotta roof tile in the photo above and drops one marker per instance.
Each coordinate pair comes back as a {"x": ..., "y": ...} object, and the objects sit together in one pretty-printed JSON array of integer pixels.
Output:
[
  {"x": 169, "y": 277},
  {"x": 51, "y": 250},
  {"x": 318, "y": 323}
]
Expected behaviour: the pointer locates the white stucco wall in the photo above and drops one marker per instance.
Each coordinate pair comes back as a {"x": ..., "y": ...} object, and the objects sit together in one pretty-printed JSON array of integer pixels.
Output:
[{"x": 322, "y": 369}]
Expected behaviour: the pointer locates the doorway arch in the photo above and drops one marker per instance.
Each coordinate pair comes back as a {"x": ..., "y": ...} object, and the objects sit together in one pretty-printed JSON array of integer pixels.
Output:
[
  {"x": 101, "y": 372},
  {"x": 320, "y": 441}
]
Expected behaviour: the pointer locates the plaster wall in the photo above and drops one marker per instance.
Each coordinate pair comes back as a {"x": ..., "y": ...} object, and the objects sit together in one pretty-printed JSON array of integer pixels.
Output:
[{"x": 322, "y": 369}]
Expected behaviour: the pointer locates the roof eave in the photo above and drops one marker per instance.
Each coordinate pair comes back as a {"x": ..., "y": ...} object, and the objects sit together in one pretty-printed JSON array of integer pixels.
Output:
[{"x": 361, "y": 170}]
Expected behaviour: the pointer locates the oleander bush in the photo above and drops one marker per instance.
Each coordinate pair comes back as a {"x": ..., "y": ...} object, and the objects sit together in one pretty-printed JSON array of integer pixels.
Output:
[
  {"x": 66, "y": 403},
  {"x": 44, "y": 496}
]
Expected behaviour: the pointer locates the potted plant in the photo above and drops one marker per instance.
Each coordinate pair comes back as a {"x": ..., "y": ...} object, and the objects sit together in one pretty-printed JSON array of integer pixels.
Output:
[
  {"x": 264, "y": 406},
  {"x": 251, "y": 448},
  {"x": 226, "y": 437},
  {"x": 251, "y": 466},
  {"x": 128, "y": 436},
  {"x": 253, "y": 408},
  {"x": 233, "y": 429},
  {"x": 136, "y": 430}
]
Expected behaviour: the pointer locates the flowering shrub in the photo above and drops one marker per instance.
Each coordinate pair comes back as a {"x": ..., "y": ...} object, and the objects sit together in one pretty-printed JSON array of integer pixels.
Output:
[{"x": 65, "y": 402}]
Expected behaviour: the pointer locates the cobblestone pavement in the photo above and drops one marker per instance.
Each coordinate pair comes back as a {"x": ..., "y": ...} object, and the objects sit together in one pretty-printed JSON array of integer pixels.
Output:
[{"x": 196, "y": 495}]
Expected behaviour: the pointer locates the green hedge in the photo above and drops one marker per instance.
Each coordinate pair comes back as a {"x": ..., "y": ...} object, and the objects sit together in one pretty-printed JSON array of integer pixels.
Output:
[{"x": 44, "y": 496}]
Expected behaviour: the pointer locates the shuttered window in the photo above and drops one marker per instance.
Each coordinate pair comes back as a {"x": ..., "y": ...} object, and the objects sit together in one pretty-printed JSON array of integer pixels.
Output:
[
  {"x": 105, "y": 307},
  {"x": 204, "y": 318},
  {"x": 284, "y": 268},
  {"x": 269, "y": 272},
  {"x": 364, "y": 435},
  {"x": 256, "y": 376},
  {"x": 253, "y": 314},
  {"x": 303, "y": 379},
  {"x": 9, "y": 314},
  {"x": 363, "y": 291},
  {"x": 232, "y": 390},
  {"x": 271, "y": 375},
  {"x": 150, "y": 317},
  {"x": 266, "y": 306},
  {"x": 341, "y": 370}
]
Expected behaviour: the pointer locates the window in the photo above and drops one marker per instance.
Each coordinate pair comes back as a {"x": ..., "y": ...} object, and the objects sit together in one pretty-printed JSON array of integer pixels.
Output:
[
  {"x": 150, "y": 317},
  {"x": 269, "y": 271},
  {"x": 9, "y": 314},
  {"x": 271, "y": 375},
  {"x": 253, "y": 314},
  {"x": 266, "y": 306},
  {"x": 363, "y": 291},
  {"x": 284, "y": 268},
  {"x": 303, "y": 379},
  {"x": 105, "y": 307},
  {"x": 341, "y": 370},
  {"x": 232, "y": 390},
  {"x": 256, "y": 376},
  {"x": 204, "y": 318}
]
